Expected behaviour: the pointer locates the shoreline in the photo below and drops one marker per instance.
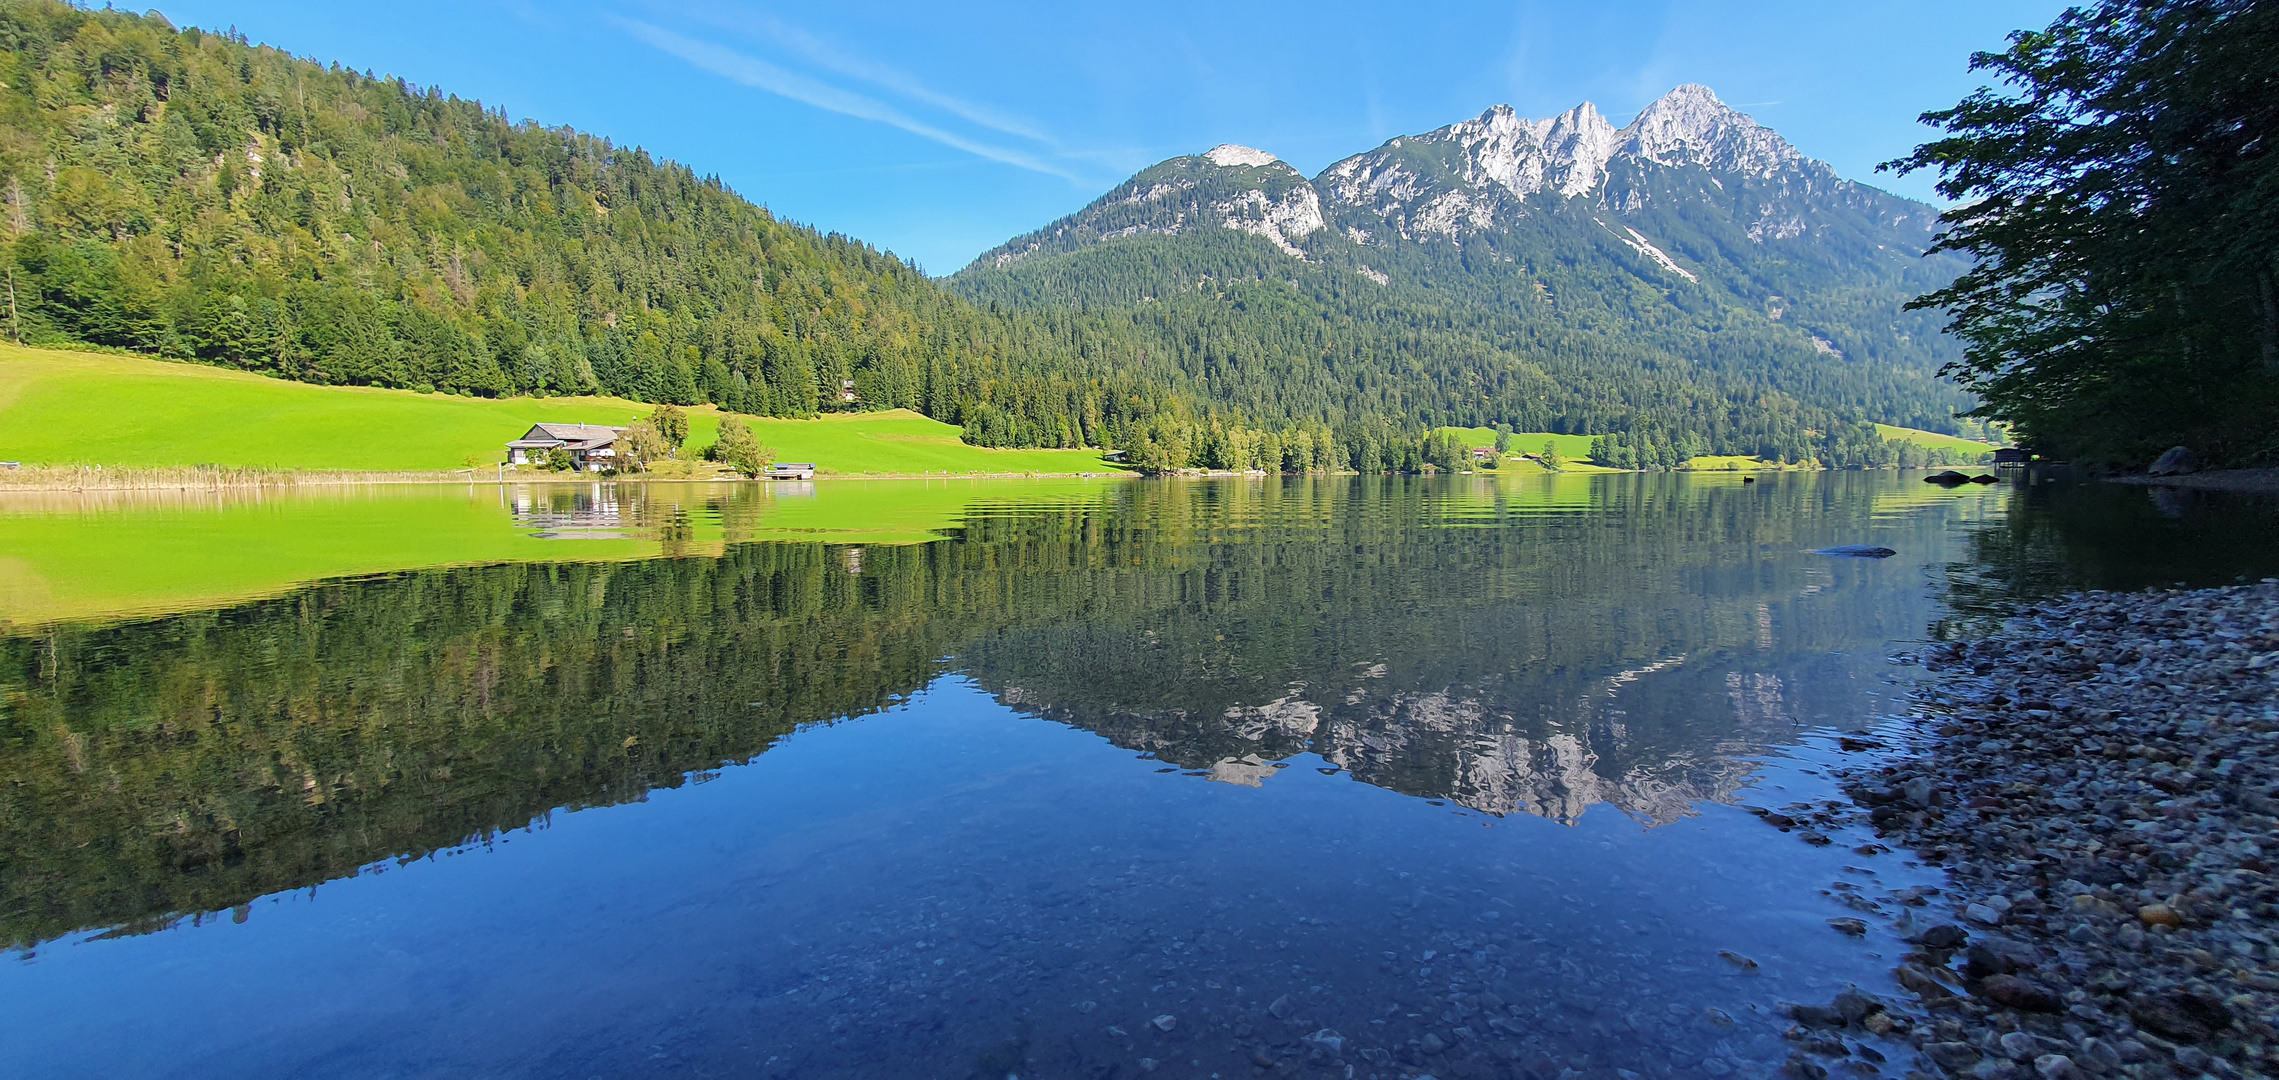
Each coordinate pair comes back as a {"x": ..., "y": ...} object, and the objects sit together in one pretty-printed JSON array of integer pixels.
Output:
[
  {"x": 62, "y": 479},
  {"x": 2100, "y": 780},
  {"x": 52, "y": 478},
  {"x": 2248, "y": 481}
]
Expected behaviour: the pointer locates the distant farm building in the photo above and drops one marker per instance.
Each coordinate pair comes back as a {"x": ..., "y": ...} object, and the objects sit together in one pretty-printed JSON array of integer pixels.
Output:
[
  {"x": 847, "y": 390},
  {"x": 592, "y": 447},
  {"x": 1483, "y": 453}
]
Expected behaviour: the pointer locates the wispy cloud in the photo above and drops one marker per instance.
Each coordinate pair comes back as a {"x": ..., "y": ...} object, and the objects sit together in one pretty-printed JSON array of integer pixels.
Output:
[
  {"x": 824, "y": 54},
  {"x": 759, "y": 74}
]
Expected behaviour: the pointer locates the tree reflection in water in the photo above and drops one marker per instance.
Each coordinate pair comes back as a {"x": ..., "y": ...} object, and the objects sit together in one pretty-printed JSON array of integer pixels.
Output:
[{"x": 1507, "y": 648}]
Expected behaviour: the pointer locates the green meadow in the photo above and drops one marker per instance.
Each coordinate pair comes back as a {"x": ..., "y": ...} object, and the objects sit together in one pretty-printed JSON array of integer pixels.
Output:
[
  {"x": 1934, "y": 439},
  {"x": 111, "y": 554},
  {"x": 1577, "y": 448},
  {"x": 71, "y": 408}
]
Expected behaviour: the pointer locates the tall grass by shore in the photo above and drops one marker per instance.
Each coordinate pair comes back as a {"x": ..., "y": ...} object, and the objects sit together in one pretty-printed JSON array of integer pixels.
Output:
[{"x": 217, "y": 477}]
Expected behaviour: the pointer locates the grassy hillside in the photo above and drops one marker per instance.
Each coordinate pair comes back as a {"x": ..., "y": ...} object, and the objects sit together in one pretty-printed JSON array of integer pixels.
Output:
[
  {"x": 1571, "y": 447},
  {"x": 1933, "y": 439},
  {"x": 81, "y": 408},
  {"x": 901, "y": 442}
]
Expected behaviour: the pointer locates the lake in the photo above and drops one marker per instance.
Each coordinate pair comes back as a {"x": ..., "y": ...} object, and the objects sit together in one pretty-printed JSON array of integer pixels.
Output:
[{"x": 1244, "y": 777}]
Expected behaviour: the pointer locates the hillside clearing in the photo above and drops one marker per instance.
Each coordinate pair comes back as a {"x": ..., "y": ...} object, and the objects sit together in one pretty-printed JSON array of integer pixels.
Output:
[
  {"x": 1934, "y": 439},
  {"x": 63, "y": 408}
]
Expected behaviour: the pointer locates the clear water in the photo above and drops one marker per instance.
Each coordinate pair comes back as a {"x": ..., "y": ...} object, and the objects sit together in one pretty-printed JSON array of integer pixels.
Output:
[{"x": 1162, "y": 780}]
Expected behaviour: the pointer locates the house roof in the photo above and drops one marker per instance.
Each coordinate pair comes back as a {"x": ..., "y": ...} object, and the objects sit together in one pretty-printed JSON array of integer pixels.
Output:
[{"x": 571, "y": 433}]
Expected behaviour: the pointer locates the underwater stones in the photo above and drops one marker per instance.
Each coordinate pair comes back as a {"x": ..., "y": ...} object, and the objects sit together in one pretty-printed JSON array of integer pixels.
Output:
[
  {"x": 1954, "y": 1057},
  {"x": 1816, "y": 1016},
  {"x": 1856, "y": 1007},
  {"x": 1942, "y": 936},
  {"x": 1919, "y": 792}
]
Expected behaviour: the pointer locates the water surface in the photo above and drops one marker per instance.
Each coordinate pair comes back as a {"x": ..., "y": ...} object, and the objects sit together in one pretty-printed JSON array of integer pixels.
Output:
[{"x": 1128, "y": 779}]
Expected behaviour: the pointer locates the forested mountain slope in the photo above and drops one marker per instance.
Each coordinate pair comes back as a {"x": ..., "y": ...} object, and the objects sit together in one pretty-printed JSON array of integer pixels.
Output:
[
  {"x": 1691, "y": 279},
  {"x": 191, "y": 195}
]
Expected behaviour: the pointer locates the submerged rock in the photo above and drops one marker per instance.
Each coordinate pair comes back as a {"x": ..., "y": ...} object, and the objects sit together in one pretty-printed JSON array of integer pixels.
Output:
[
  {"x": 1856, "y": 551},
  {"x": 2178, "y": 461}
]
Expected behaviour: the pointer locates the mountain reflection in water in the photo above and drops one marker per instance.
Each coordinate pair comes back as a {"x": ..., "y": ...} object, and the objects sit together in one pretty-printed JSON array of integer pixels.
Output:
[{"x": 1510, "y": 648}]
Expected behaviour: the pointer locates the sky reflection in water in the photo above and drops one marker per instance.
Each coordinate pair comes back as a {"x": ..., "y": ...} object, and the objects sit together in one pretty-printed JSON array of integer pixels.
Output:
[{"x": 1445, "y": 767}]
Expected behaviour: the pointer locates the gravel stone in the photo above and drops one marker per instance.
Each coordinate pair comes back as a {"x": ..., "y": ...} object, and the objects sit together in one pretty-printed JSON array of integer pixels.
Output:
[{"x": 2099, "y": 778}]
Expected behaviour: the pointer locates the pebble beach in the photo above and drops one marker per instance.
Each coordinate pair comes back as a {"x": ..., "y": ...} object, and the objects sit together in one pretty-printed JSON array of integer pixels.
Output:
[{"x": 2100, "y": 780}]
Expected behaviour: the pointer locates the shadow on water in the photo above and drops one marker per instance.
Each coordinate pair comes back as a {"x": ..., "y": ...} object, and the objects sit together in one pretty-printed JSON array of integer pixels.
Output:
[
  {"x": 2067, "y": 535},
  {"x": 1444, "y": 765}
]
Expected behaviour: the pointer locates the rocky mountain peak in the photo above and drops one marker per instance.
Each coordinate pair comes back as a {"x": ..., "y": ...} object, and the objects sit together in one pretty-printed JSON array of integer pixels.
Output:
[
  {"x": 1227, "y": 155},
  {"x": 1690, "y": 126},
  {"x": 1462, "y": 177},
  {"x": 1473, "y": 175}
]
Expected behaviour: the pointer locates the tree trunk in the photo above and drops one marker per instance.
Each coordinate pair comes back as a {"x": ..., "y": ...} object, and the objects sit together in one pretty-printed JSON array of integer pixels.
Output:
[{"x": 2270, "y": 322}]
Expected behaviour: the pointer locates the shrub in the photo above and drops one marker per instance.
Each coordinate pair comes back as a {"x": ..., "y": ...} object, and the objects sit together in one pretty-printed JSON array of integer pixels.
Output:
[{"x": 739, "y": 449}]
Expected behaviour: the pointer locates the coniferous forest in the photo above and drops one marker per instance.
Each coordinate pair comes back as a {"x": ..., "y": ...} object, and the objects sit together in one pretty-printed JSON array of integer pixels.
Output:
[{"x": 194, "y": 196}]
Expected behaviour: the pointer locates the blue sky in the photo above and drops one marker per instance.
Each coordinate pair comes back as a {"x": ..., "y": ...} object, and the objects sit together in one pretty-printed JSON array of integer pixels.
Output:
[{"x": 939, "y": 130}]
